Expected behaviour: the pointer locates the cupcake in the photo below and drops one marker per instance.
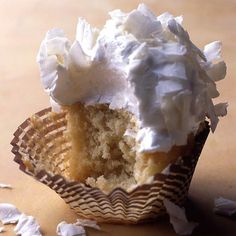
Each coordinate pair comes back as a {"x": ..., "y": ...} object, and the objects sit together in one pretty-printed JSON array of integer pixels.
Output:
[{"x": 131, "y": 110}]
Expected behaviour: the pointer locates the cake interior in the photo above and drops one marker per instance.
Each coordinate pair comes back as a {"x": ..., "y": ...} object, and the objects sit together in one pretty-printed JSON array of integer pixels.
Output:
[
  {"x": 101, "y": 155},
  {"x": 104, "y": 151},
  {"x": 97, "y": 146}
]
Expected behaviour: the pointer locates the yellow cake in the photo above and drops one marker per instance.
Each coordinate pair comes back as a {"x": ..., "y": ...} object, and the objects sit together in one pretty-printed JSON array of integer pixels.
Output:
[{"x": 104, "y": 157}]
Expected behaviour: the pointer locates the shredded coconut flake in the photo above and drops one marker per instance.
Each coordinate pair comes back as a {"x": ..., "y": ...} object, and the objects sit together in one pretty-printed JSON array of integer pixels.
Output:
[
  {"x": 224, "y": 206},
  {"x": 5, "y": 186},
  {"x": 65, "y": 229},
  {"x": 178, "y": 219},
  {"x": 27, "y": 226},
  {"x": 221, "y": 109},
  {"x": 9, "y": 214}
]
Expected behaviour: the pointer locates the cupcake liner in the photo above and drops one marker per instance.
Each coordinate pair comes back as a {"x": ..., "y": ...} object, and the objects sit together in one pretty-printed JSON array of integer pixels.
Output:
[{"x": 36, "y": 145}]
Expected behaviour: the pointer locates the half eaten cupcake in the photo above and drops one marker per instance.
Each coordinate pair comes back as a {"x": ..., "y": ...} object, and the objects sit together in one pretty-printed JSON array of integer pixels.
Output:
[{"x": 135, "y": 93}]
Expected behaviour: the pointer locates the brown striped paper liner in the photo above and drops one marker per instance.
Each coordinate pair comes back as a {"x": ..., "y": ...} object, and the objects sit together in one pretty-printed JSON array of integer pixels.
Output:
[{"x": 35, "y": 145}]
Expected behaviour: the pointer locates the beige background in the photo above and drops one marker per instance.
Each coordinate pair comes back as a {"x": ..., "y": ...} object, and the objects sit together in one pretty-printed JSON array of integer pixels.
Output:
[{"x": 22, "y": 27}]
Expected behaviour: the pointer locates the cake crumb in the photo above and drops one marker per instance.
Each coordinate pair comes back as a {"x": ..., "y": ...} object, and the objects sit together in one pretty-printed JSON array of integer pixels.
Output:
[{"x": 88, "y": 223}]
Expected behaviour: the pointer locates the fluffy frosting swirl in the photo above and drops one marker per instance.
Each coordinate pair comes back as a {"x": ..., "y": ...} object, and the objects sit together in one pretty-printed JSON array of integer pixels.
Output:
[{"x": 142, "y": 63}]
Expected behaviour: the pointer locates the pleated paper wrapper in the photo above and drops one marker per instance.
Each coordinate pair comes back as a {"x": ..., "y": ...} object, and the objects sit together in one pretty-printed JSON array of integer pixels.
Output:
[{"x": 44, "y": 143}]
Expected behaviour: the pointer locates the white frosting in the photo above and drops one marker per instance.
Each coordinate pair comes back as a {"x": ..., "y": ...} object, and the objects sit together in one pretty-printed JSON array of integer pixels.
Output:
[{"x": 142, "y": 63}]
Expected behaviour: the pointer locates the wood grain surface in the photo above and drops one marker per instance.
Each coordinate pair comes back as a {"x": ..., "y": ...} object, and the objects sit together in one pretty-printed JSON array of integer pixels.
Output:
[{"x": 22, "y": 27}]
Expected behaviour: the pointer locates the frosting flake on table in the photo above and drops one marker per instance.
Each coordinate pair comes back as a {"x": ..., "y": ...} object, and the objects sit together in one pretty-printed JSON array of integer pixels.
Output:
[
  {"x": 178, "y": 218},
  {"x": 5, "y": 186},
  {"x": 9, "y": 214},
  {"x": 27, "y": 226},
  {"x": 224, "y": 206},
  {"x": 65, "y": 229}
]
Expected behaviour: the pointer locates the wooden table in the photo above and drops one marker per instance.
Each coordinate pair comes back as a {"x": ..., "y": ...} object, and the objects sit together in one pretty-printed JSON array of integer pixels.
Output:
[{"x": 22, "y": 27}]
